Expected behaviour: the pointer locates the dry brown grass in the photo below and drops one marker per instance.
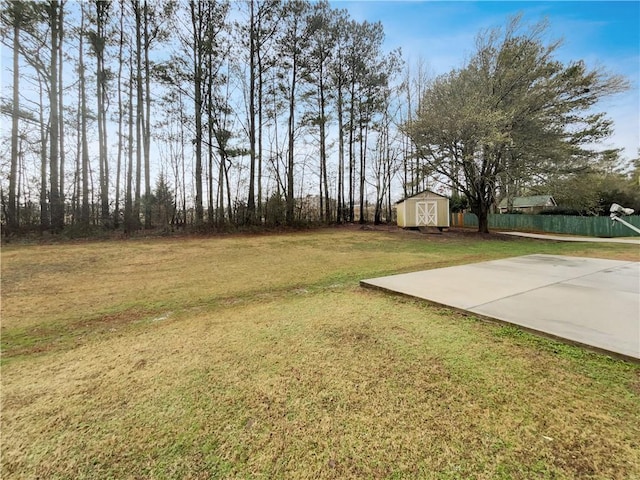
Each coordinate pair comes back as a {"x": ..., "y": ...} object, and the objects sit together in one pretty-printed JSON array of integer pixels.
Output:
[{"x": 260, "y": 357}]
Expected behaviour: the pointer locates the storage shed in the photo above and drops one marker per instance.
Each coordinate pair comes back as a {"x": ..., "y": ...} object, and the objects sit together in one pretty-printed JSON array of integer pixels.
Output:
[{"x": 424, "y": 209}]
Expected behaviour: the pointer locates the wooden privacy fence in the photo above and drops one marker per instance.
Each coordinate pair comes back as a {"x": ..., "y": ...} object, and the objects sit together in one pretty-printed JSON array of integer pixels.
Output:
[{"x": 586, "y": 226}]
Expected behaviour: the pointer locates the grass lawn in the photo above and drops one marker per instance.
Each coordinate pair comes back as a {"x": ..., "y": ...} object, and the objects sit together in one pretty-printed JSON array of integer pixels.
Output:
[{"x": 260, "y": 357}]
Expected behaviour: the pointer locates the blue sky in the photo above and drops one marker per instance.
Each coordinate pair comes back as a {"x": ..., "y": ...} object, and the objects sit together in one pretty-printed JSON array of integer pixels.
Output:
[{"x": 603, "y": 34}]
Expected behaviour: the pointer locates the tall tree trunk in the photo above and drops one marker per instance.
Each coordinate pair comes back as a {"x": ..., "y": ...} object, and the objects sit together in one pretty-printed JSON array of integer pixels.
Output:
[
  {"x": 75, "y": 190},
  {"x": 128, "y": 198},
  {"x": 196, "y": 22},
  {"x": 251, "y": 206},
  {"x": 389, "y": 175},
  {"x": 101, "y": 18},
  {"x": 279, "y": 184},
  {"x": 61, "y": 102},
  {"x": 363, "y": 147},
  {"x": 77, "y": 175},
  {"x": 220, "y": 200},
  {"x": 259, "y": 152},
  {"x": 84, "y": 146},
  {"x": 290, "y": 153},
  {"x": 340, "y": 216},
  {"x": 226, "y": 176},
  {"x": 351, "y": 151},
  {"x": 57, "y": 210},
  {"x": 147, "y": 119},
  {"x": 182, "y": 164},
  {"x": 45, "y": 221},
  {"x": 12, "y": 218},
  {"x": 19, "y": 187},
  {"x": 210, "y": 136},
  {"x": 210, "y": 206},
  {"x": 139, "y": 114},
  {"x": 323, "y": 146},
  {"x": 116, "y": 211}
]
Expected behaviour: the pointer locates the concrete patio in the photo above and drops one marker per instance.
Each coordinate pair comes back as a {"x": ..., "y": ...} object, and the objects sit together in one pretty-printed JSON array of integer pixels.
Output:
[{"x": 588, "y": 301}]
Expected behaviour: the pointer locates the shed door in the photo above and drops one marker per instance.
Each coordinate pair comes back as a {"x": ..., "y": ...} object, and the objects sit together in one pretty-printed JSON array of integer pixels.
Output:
[{"x": 427, "y": 213}]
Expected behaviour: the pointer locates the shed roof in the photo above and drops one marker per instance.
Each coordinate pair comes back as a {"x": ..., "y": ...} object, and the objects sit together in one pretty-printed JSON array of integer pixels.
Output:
[
  {"x": 421, "y": 193},
  {"x": 531, "y": 201}
]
